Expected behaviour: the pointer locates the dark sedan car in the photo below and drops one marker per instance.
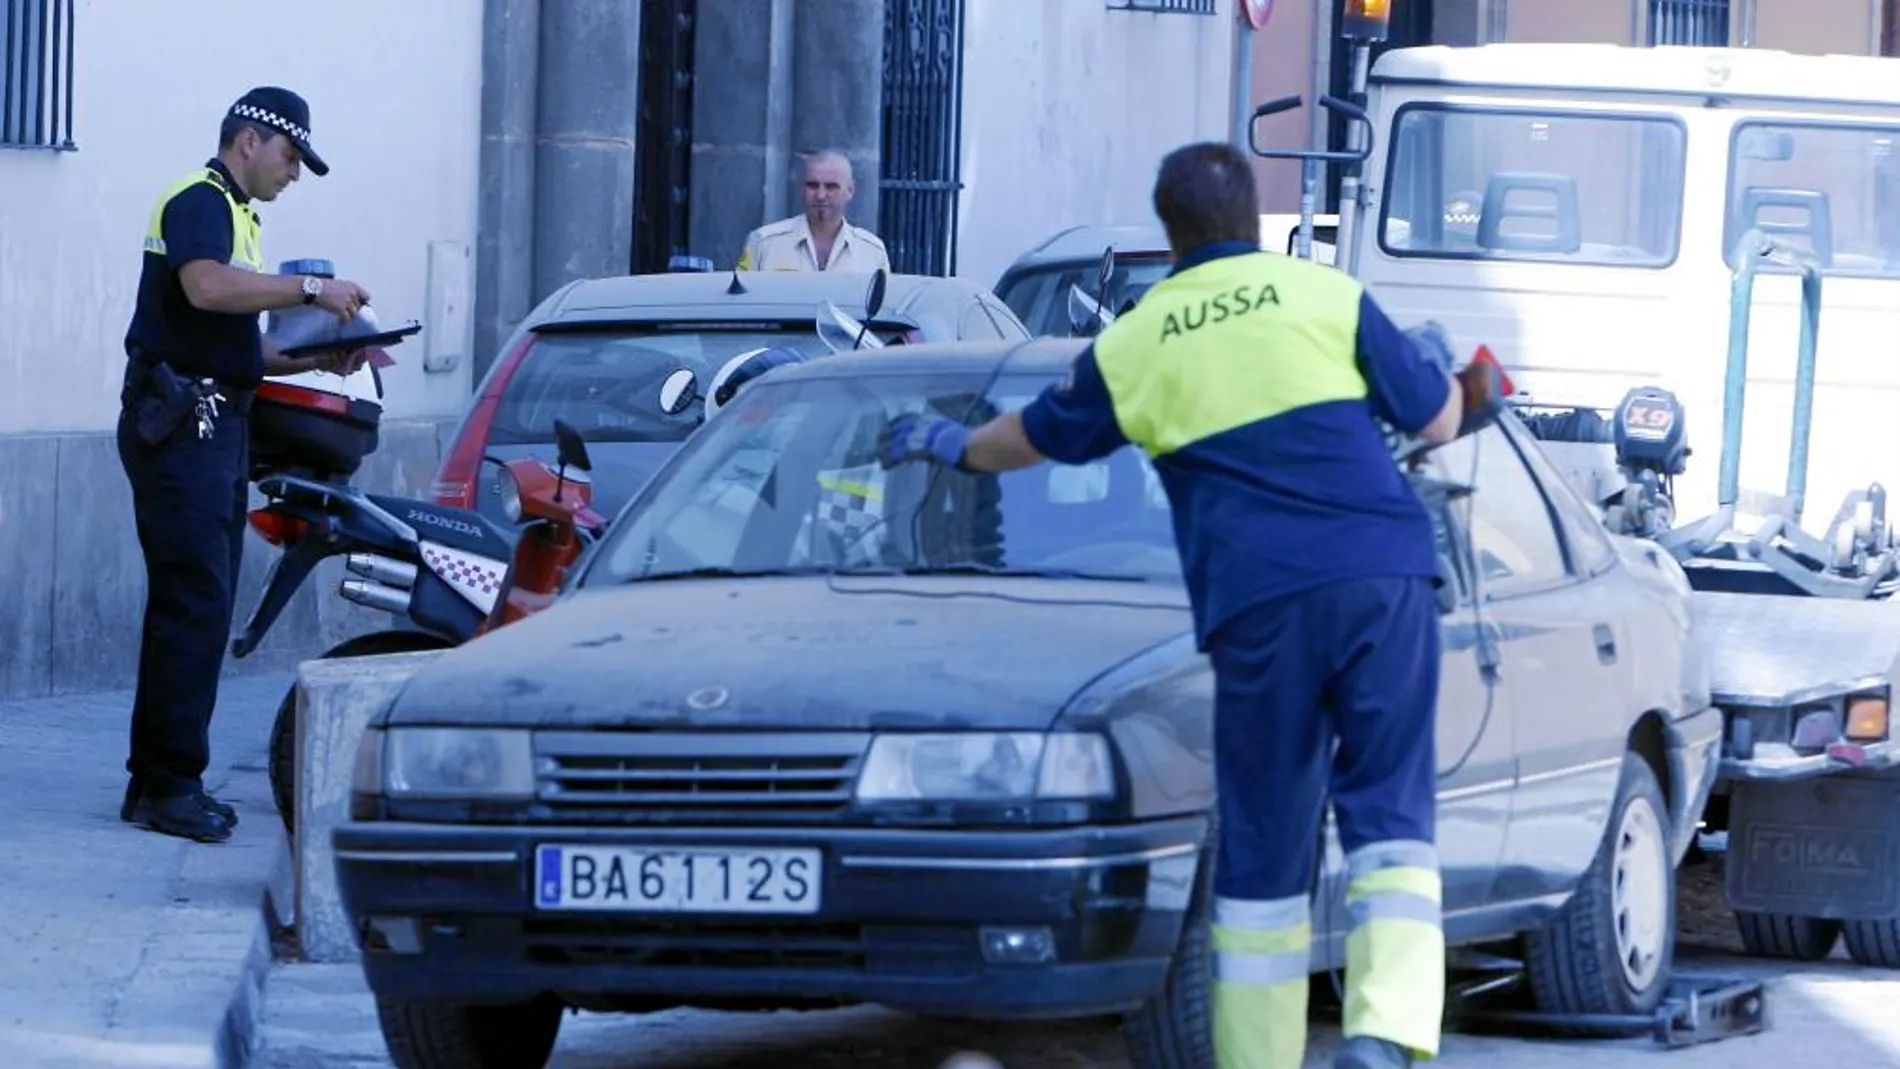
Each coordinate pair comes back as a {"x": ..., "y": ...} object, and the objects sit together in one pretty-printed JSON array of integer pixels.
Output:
[
  {"x": 808, "y": 732},
  {"x": 594, "y": 352}
]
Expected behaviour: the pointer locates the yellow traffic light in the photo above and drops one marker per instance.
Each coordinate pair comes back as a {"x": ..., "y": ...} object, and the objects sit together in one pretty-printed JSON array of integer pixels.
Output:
[{"x": 1366, "y": 19}]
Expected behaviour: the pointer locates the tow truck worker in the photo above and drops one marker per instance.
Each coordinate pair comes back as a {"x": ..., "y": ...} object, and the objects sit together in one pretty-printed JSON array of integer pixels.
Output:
[
  {"x": 1254, "y": 381},
  {"x": 194, "y": 356}
]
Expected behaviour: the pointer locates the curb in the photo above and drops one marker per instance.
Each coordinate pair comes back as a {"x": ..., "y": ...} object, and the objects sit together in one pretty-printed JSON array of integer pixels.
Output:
[{"x": 239, "y": 1039}]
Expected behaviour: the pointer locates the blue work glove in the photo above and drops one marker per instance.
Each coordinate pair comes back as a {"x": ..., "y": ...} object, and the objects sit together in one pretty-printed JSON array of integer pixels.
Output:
[
  {"x": 937, "y": 440},
  {"x": 1434, "y": 342}
]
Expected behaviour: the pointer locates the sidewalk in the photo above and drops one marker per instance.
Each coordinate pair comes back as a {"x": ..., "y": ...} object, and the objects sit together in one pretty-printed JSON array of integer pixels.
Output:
[{"x": 118, "y": 946}]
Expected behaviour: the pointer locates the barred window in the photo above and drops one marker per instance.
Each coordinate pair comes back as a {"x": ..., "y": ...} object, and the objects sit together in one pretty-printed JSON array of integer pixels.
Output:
[
  {"x": 36, "y": 74},
  {"x": 1689, "y": 22},
  {"x": 1176, "y": 7}
]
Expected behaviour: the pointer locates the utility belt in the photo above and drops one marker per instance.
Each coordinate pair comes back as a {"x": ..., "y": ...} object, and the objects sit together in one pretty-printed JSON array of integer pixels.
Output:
[{"x": 161, "y": 400}]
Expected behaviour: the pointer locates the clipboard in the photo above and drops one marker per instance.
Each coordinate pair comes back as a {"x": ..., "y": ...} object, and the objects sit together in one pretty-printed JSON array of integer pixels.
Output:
[{"x": 362, "y": 341}]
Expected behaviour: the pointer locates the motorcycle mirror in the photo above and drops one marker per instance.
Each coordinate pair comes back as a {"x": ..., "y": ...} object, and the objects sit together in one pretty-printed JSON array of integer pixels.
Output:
[
  {"x": 874, "y": 297},
  {"x": 841, "y": 333},
  {"x": 1087, "y": 316},
  {"x": 570, "y": 447},
  {"x": 677, "y": 391}
]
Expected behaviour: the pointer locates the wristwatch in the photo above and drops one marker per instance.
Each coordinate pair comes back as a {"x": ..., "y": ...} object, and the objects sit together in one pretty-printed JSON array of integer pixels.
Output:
[{"x": 312, "y": 286}]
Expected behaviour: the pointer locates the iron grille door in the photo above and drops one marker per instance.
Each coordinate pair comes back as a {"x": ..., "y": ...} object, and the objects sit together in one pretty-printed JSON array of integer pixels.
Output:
[
  {"x": 663, "y": 162},
  {"x": 1689, "y": 22},
  {"x": 920, "y": 176}
]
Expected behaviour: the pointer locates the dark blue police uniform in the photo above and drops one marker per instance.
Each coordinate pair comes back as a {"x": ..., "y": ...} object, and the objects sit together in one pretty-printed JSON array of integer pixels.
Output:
[
  {"x": 189, "y": 480},
  {"x": 183, "y": 438}
]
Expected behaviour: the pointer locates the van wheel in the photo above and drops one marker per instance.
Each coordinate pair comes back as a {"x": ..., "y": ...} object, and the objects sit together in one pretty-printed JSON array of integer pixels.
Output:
[
  {"x": 1785, "y": 936},
  {"x": 283, "y": 729},
  {"x": 1612, "y": 948},
  {"x": 451, "y": 1035},
  {"x": 1874, "y": 943},
  {"x": 1175, "y": 1028}
]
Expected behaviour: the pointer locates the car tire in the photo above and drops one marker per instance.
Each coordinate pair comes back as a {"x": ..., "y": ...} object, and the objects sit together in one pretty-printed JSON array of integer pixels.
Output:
[
  {"x": 1175, "y": 1028},
  {"x": 283, "y": 729},
  {"x": 452, "y": 1035},
  {"x": 1786, "y": 936},
  {"x": 1874, "y": 943},
  {"x": 1612, "y": 948}
]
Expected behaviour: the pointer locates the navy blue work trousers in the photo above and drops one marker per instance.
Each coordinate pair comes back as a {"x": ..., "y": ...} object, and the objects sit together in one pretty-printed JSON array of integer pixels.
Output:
[
  {"x": 189, "y": 496},
  {"x": 1355, "y": 661}
]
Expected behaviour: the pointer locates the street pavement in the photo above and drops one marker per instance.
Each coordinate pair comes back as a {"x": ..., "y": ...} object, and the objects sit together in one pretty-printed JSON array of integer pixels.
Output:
[
  {"x": 121, "y": 947},
  {"x": 1832, "y": 1012}
]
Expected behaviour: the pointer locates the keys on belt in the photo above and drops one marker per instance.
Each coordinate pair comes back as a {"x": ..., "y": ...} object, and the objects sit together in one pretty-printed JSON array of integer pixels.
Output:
[{"x": 208, "y": 399}]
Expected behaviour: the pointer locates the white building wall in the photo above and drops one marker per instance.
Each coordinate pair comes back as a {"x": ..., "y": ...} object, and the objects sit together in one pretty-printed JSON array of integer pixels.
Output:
[
  {"x": 394, "y": 91},
  {"x": 1068, "y": 107}
]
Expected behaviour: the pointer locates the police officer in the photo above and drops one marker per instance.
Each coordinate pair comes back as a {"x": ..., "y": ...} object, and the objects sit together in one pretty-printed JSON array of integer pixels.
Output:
[
  {"x": 821, "y": 239},
  {"x": 194, "y": 356},
  {"x": 1256, "y": 382}
]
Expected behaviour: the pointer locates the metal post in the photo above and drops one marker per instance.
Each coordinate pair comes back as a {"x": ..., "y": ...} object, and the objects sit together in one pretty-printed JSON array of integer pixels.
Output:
[
  {"x": 1351, "y": 188},
  {"x": 1804, "y": 386},
  {"x": 1243, "y": 84}
]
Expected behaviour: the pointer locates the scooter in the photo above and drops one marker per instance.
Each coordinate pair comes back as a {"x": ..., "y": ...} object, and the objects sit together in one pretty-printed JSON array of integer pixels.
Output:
[{"x": 447, "y": 574}]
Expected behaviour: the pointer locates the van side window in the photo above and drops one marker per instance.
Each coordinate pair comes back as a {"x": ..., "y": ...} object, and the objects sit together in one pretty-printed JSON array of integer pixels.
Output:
[{"x": 1832, "y": 191}]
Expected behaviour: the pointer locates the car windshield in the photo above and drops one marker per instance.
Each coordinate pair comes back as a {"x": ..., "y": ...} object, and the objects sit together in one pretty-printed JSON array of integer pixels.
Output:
[
  {"x": 786, "y": 480},
  {"x": 606, "y": 383},
  {"x": 1040, "y": 297},
  {"x": 1517, "y": 184}
]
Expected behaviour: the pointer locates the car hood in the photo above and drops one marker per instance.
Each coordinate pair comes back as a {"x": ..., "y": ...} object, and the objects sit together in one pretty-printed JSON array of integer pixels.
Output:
[{"x": 863, "y": 652}]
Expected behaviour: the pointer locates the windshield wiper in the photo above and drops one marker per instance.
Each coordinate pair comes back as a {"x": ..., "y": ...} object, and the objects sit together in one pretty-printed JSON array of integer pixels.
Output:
[
  {"x": 973, "y": 568},
  {"x": 725, "y": 573}
]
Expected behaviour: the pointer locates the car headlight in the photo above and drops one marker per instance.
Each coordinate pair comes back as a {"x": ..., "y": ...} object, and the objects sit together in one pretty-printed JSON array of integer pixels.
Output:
[
  {"x": 465, "y": 763},
  {"x": 983, "y": 766}
]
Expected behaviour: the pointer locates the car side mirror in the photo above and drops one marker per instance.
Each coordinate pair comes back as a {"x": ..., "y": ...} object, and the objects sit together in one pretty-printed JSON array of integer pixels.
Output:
[
  {"x": 570, "y": 447},
  {"x": 677, "y": 391}
]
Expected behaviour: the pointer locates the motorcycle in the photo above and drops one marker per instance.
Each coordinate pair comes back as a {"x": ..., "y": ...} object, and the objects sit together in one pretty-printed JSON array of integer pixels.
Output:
[{"x": 448, "y": 575}]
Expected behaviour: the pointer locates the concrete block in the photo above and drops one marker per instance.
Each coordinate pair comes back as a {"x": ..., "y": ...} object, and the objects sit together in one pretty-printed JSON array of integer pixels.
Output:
[
  {"x": 335, "y": 700},
  {"x": 29, "y": 533}
]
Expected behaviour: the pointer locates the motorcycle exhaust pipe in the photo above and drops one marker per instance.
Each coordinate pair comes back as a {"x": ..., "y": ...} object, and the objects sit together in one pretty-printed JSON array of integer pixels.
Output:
[
  {"x": 382, "y": 569},
  {"x": 376, "y": 596}
]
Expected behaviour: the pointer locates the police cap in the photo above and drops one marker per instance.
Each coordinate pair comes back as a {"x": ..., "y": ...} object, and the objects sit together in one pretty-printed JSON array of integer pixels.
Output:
[{"x": 283, "y": 111}]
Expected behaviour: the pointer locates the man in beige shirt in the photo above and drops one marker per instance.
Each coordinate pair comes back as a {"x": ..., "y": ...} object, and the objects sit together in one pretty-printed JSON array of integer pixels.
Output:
[{"x": 820, "y": 239}]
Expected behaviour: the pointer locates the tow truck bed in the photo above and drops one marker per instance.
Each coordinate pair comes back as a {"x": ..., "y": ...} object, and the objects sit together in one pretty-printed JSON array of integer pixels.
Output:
[
  {"x": 1814, "y": 830},
  {"x": 1778, "y": 652}
]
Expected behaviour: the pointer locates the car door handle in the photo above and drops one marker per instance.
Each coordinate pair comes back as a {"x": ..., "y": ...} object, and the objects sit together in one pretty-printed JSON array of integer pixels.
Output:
[{"x": 1606, "y": 644}]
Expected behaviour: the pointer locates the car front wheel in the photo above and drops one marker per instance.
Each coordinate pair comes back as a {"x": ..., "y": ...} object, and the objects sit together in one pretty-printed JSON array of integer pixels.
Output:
[
  {"x": 1612, "y": 948},
  {"x": 450, "y": 1035}
]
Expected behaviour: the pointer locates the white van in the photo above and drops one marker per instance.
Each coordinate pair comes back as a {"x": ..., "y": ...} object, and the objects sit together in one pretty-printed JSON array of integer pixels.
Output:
[{"x": 1576, "y": 208}]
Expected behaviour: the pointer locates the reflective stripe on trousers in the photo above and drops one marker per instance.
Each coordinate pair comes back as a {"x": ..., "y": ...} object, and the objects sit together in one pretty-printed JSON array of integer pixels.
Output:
[
  {"x": 1262, "y": 954},
  {"x": 1395, "y": 945}
]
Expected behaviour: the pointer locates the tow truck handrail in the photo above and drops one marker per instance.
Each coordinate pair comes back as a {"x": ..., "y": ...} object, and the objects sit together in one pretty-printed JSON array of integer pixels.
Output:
[{"x": 1752, "y": 249}]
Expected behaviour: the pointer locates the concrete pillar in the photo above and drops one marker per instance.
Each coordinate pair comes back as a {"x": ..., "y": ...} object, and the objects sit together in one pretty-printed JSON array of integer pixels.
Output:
[
  {"x": 504, "y": 258},
  {"x": 742, "y": 107},
  {"x": 586, "y": 110},
  {"x": 838, "y": 92},
  {"x": 777, "y": 78}
]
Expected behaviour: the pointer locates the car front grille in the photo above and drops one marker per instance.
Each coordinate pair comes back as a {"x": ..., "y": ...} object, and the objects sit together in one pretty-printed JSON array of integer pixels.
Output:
[{"x": 699, "y": 776}]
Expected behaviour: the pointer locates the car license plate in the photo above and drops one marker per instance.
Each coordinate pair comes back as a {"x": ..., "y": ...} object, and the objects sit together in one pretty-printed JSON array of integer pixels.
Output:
[{"x": 689, "y": 879}]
